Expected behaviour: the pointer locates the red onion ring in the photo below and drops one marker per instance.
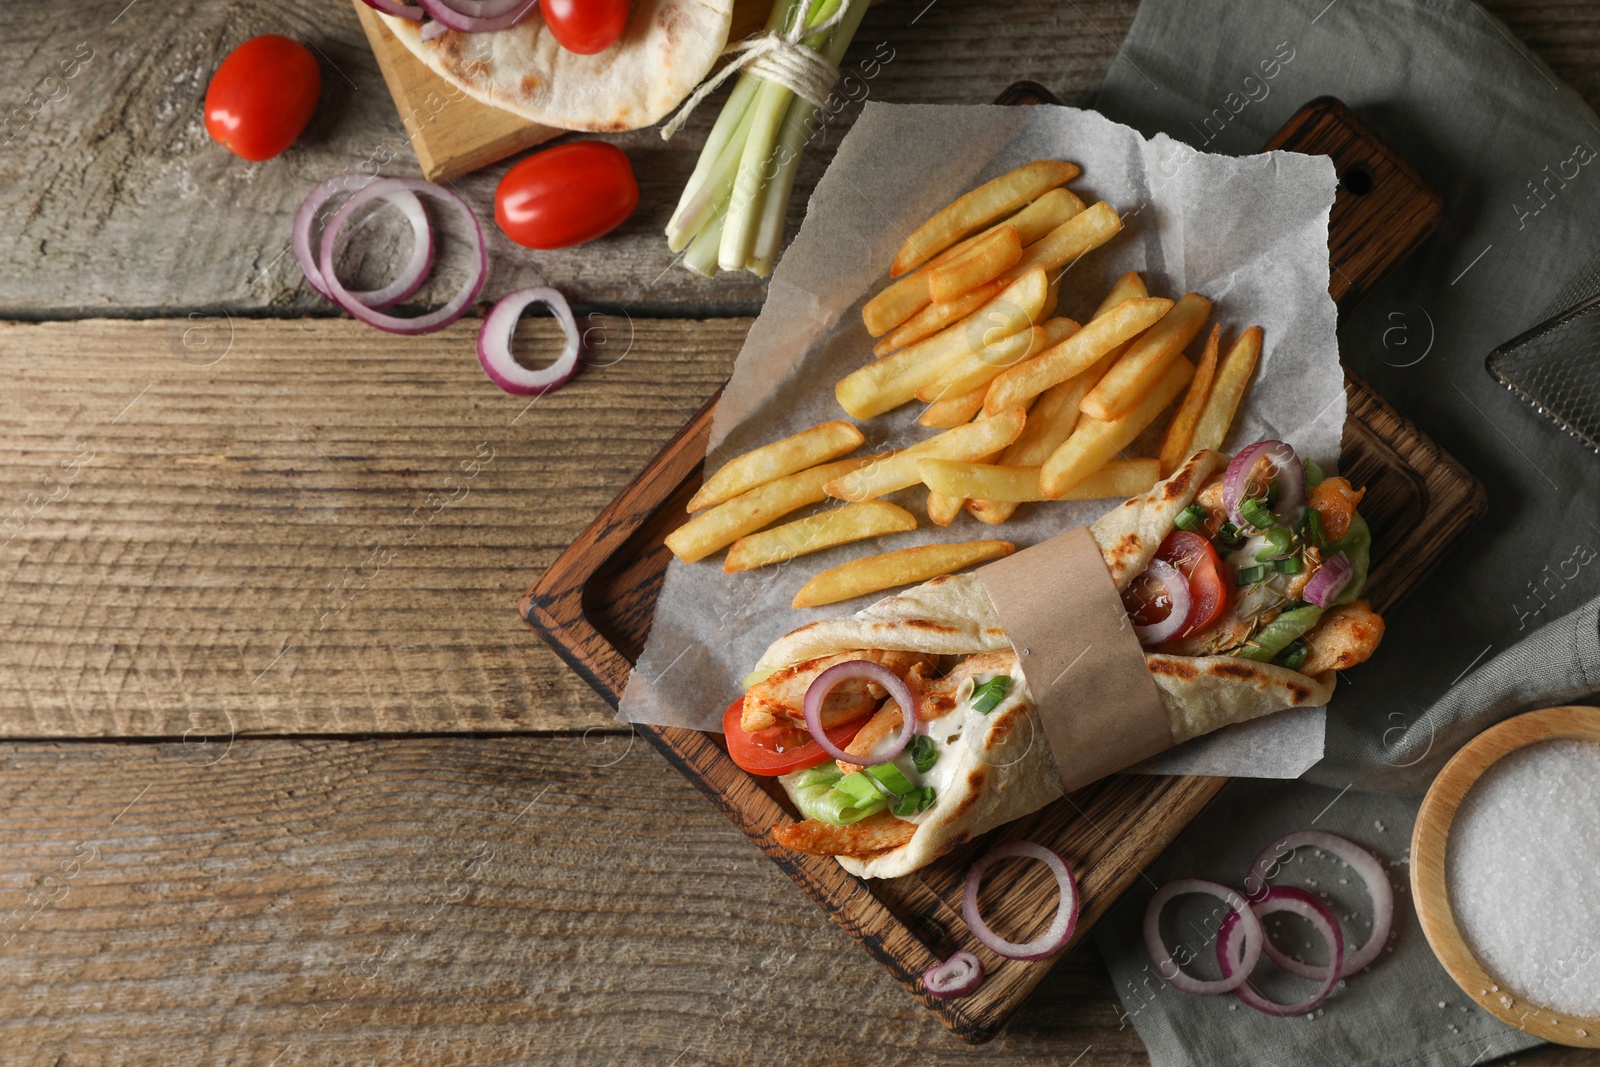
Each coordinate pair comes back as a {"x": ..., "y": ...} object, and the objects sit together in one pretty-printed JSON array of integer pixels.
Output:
[
  {"x": 396, "y": 8},
  {"x": 437, "y": 319},
  {"x": 1254, "y": 937},
  {"x": 478, "y": 16},
  {"x": 1364, "y": 863},
  {"x": 411, "y": 276},
  {"x": 1330, "y": 580},
  {"x": 957, "y": 976},
  {"x": 1297, "y": 901},
  {"x": 1178, "y": 589},
  {"x": 1061, "y": 927},
  {"x": 494, "y": 344},
  {"x": 824, "y": 684},
  {"x": 1291, "y": 477}
]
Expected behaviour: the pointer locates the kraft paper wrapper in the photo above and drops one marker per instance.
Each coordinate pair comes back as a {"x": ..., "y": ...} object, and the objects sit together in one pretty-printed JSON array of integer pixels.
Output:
[{"x": 1100, "y": 709}]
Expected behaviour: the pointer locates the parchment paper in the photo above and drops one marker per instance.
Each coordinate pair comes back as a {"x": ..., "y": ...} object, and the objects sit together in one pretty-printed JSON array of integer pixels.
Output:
[{"x": 1249, "y": 233}]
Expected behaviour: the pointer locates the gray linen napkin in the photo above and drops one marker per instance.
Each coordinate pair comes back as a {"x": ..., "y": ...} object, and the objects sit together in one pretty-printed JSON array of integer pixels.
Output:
[{"x": 1493, "y": 130}]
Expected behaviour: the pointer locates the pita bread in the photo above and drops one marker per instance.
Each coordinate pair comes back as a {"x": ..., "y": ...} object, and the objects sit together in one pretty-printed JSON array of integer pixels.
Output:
[
  {"x": 1008, "y": 771},
  {"x": 668, "y": 46}
]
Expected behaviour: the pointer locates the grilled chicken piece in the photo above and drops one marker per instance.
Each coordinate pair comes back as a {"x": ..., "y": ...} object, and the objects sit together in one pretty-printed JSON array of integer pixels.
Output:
[
  {"x": 1345, "y": 636},
  {"x": 871, "y": 835},
  {"x": 1335, "y": 499},
  {"x": 780, "y": 698}
]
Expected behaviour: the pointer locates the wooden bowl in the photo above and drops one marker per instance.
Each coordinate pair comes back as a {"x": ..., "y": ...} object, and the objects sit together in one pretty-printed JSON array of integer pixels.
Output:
[{"x": 1430, "y": 840}]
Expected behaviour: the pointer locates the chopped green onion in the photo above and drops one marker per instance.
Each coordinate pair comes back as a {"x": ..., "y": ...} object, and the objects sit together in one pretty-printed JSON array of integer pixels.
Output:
[
  {"x": 891, "y": 778},
  {"x": 1228, "y": 536},
  {"x": 859, "y": 787},
  {"x": 1255, "y": 511},
  {"x": 924, "y": 753},
  {"x": 1311, "y": 528},
  {"x": 1279, "y": 542},
  {"x": 1272, "y": 493},
  {"x": 988, "y": 696},
  {"x": 1290, "y": 565},
  {"x": 1192, "y": 517},
  {"x": 915, "y": 801},
  {"x": 1295, "y": 655},
  {"x": 1252, "y": 575}
]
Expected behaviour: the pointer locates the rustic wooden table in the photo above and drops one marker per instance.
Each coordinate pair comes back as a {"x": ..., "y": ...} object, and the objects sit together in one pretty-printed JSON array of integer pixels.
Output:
[{"x": 275, "y": 795}]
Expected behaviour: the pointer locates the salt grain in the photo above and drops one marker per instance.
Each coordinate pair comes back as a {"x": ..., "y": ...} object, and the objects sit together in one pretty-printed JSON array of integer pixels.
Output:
[{"x": 1522, "y": 857}]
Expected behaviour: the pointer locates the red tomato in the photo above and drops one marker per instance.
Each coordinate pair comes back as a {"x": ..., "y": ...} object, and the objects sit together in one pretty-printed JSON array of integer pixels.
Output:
[
  {"x": 1197, "y": 561},
  {"x": 1194, "y": 558},
  {"x": 585, "y": 26},
  {"x": 779, "y": 749},
  {"x": 566, "y": 195},
  {"x": 262, "y": 96}
]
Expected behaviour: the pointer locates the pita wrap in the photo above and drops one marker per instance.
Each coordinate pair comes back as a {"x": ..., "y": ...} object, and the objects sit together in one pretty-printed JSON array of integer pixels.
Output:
[
  {"x": 1001, "y": 765},
  {"x": 668, "y": 46}
]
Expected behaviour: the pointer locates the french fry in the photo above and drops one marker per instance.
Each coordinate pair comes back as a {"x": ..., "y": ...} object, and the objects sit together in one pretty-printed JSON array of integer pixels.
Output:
[
  {"x": 990, "y": 257},
  {"x": 825, "y": 441},
  {"x": 1093, "y": 442},
  {"x": 748, "y": 512},
  {"x": 977, "y": 370},
  {"x": 944, "y": 509},
  {"x": 899, "y": 469},
  {"x": 1146, "y": 359},
  {"x": 991, "y": 481},
  {"x": 1052, "y": 418},
  {"x": 894, "y": 380},
  {"x": 1062, "y": 246},
  {"x": 895, "y": 303},
  {"x": 953, "y": 411},
  {"x": 935, "y": 317},
  {"x": 904, "y": 567},
  {"x": 1076, "y": 354},
  {"x": 840, "y": 526},
  {"x": 907, "y": 299},
  {"x": 1177, "y": 440},
  {"x": 1233, "y": 376},
  {"x": 1128, "y": 287},
  {"x": 990, "y": 201}
]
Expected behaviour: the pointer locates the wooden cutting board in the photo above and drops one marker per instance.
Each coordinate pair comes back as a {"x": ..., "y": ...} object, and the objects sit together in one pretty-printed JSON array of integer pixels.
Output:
[
  {"x": 454, "y": 134},
  {"x": 595, "y": 603}
]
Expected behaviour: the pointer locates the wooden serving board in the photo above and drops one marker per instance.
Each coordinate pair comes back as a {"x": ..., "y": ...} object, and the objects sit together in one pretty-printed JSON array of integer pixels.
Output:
[
  {"x": 454, "y": 134},
  {"x": 594, "y": 605}
]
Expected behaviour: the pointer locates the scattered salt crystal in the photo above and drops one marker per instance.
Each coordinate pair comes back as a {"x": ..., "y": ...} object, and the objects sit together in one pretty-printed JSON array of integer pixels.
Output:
[
  {"x": 1525, "y": 841},
  {"x": 1377, "y": 824},
  {"x": 1441, "y": 1003},
  {"x": 1581, "y": 1033},
  {"x": 1233, "y": 1007}
]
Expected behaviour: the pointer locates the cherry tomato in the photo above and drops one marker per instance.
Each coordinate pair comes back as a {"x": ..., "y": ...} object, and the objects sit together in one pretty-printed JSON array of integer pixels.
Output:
[
  {"x": 566, "y": 195},
  {"x": 779, "y": 749},
  {"x": 585, "y": 26},
  {"x": 262, "y": 96},
  {"x": 1194, "y": 558}
]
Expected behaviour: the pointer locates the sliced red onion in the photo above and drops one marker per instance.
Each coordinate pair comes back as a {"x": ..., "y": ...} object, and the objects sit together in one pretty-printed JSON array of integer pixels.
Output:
[
  {"x": 1178, "y": 591},
  {"x": 1299, "y": 902},
  {"x": 1291, "y": 477},
  {"x": 478, "y": 16},
  {"x": 1061, "y": 927},
  {"x": 1362, "y": 862},
  {"x": 955, "y": 977},
  {"x": 1167, "y": 967},
  {"x": 388, "y": 188},
  {"x": 1330, "y": 580},
  {"x": 433, "y": 28},
  {"x": 396, "y": 8},
  {"x": 411, "y": 276},
  {"x": 824, "y": 684},
  {"x": 494, "y": 344}
]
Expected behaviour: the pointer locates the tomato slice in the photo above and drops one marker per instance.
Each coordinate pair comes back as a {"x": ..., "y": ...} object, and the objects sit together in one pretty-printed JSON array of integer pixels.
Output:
[
  {"x": 1195, "y": 559},
  {"x": 780, "y": 749}
]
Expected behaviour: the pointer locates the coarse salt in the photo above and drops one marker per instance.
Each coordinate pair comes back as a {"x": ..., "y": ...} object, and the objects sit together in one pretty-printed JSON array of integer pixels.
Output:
[{"x": 1522, "y": 858}]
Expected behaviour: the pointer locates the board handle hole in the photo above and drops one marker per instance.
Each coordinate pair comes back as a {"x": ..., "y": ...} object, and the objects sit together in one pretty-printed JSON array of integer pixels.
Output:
[{"x": 1357, "y": 179}]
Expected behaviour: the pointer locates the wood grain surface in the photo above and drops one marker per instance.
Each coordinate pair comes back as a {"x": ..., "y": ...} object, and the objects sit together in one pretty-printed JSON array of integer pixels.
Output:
[
  {"x": 322, "y": 531},
  {"x": 444, "y": 902}
]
